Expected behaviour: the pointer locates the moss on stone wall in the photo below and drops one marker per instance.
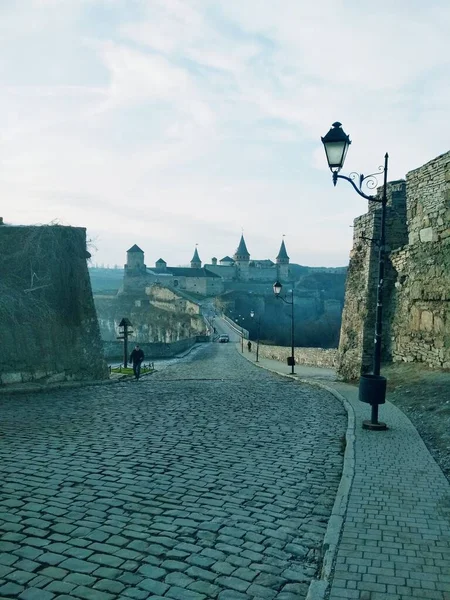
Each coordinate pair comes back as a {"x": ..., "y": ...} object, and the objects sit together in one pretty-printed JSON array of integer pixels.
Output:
[{"x": 47, "y": 316}]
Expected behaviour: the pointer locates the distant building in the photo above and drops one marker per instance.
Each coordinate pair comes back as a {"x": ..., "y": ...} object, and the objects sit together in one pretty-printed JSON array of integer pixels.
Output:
[
  {"x": 208, "y": 280},
  {"x": 241, "y": 268}
]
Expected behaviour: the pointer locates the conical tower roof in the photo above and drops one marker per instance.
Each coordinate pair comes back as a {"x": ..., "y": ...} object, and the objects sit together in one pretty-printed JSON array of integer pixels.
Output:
[
  {"x": 135, "y": 248},
  {"x": 242, "y": 248},
  {"x": 282, "y": 253},
  {"x": 196, "y": 257}
]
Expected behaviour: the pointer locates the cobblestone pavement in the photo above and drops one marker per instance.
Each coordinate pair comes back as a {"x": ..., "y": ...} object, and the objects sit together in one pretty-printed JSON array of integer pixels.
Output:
[{"x": 210, "y": 479}]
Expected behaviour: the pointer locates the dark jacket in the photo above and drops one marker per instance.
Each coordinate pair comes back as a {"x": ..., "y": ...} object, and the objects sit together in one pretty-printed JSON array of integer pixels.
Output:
[{"x": 137, "y": 356}]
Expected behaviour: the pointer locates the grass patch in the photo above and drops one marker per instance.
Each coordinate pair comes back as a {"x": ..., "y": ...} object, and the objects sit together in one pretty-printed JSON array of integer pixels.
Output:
[{"x": 129, "y": 370}]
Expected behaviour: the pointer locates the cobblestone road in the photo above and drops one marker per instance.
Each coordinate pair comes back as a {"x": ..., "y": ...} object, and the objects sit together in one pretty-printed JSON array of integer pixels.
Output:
[{"x": 210, "y": 479}]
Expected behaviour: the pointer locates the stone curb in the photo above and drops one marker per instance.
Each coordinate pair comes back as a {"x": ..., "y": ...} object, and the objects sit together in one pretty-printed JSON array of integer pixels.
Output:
[
  {"x": 318, "y": 588},
  {"x": 55, "y": 386},
  {"x": 66, "y": 385},
  {"x": 195, "y": 346}
]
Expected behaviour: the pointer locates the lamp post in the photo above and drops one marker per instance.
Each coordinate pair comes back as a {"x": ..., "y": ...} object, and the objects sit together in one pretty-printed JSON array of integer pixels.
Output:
[
  {"x": 124, "y": 332},
  {"x": 258, "y": 323},
  {"x": 277, "y": 287},
  {"x": 372, "y": 387},
  {"x": 242, "y": 333}
]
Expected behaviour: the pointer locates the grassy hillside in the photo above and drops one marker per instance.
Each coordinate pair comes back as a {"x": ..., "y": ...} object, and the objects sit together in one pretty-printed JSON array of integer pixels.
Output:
[{"x": 105, "y": 280}]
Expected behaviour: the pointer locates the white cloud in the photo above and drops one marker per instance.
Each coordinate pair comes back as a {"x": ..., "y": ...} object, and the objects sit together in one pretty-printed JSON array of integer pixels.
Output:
[{"x": 182, "y": 121}]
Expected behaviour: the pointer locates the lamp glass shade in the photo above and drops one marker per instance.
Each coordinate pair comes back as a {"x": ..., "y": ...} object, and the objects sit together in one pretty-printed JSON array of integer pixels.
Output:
[
  {"x": 336, "y": 144},
  {"x": 252, "y": 313},
  {"x": 336, "y": 153},
  {"x": 277, "y": 287}
]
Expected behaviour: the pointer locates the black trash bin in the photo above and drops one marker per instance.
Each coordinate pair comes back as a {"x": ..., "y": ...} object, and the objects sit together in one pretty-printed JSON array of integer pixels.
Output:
[
  {"x": 291, "y": 361},
  {"x": 372, "y": 389}
]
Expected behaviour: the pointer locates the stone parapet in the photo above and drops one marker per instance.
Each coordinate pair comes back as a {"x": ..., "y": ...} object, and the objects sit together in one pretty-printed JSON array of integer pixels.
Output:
[
  {"x": 428, "y": 203},
  {"x": 313, "y": 357},
  {"x": 237, "y": 328}
]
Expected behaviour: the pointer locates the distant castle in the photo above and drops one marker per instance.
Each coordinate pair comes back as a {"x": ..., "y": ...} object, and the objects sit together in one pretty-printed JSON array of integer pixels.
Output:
[{"x": 208, "y": 280}]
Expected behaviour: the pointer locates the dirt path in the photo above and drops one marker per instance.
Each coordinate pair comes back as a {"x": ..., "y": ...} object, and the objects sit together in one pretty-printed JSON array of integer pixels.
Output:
[{"x": 424, "y": 395}]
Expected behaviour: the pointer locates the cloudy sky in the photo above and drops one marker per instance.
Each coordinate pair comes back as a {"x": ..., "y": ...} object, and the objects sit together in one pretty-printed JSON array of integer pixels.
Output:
[{"x": 168, "y": 123}]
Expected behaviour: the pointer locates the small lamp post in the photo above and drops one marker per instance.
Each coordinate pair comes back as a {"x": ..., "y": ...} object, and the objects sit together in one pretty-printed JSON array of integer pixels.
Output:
[
  {"x": 124, "y": 332},
  {"x": 277, "y": 287},
  {"x": 372, "y": 387},
  {"x": 242, "y": 333},
  {"x": 258, "y": 323}
]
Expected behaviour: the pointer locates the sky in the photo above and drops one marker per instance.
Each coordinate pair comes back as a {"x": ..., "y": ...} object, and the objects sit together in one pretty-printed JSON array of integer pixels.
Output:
[{"x": 171, "y": 123}]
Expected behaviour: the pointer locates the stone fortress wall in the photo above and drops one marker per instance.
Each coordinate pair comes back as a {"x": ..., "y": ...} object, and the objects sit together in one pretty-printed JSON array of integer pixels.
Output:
[
  {"x": 48, "y": 323},
  {"x": 420, "y": 323},
  {"x": 416, "y": 317},
  {"x": 255, "y": 273}
]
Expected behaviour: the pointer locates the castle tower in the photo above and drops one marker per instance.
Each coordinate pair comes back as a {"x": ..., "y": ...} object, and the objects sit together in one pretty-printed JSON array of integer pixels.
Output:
[
  {"x": 161, "y": 264},
  {"x": 196, "y": 263},
  {"x": 135, "y": 269},
  {"x": 214, "y": 261},
  {"x": 241, "y": 260},
  {"x": 282, "y": 263},
  {"x": 135, "y": 261}
]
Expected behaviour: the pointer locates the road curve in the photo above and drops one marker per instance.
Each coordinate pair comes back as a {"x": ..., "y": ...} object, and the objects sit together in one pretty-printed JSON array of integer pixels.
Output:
[{"x": 209, "y": 479}]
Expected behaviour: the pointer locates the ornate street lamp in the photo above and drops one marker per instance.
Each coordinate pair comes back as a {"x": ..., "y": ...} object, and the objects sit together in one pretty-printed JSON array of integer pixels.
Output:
[
  {"x": 258, "y": 323},
  {"x": 336, "y": 144},
  {"x": 372, "y": 387},
  {"x": 277, "y": 287}
]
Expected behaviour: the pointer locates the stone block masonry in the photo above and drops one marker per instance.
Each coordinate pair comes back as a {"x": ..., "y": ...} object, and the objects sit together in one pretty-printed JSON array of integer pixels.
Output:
[
  {"x": 48, "y": 324},
  {"x": 416, "y": 317},
  {"x": 420, "y": 318},
  {"x": 314, "y": 357}
]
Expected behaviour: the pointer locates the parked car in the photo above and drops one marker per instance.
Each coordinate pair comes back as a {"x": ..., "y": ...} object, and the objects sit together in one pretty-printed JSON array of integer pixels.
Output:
[{"x": 224, "y": 338}]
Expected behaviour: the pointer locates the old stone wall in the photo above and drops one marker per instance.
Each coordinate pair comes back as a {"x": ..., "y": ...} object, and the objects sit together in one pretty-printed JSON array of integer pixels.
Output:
[
  {"x": 226, "y": 273},
  {"x": 420, "y": 319},
  {"x": 315, "y": 357},
  {"x": 356, "y": 321},
  {"x": 206, "y": 286},
  {"x": 358, "y": 318},
  {"x": 416, "y": 288},
  {"x": 49, "y": 329}
]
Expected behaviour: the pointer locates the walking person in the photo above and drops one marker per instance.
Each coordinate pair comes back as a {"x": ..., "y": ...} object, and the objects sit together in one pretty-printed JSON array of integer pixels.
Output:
[
  {"x": 249, "y": 346},
  {"x": 136, "y": 357}
]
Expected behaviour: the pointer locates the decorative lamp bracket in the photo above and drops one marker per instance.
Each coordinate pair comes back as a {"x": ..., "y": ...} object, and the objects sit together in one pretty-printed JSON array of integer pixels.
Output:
[{"x": 360, "y": 181}]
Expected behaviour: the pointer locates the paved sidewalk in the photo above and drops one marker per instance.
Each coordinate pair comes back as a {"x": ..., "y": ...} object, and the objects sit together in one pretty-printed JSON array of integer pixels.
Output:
[{"x": 389, "y": 535}]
